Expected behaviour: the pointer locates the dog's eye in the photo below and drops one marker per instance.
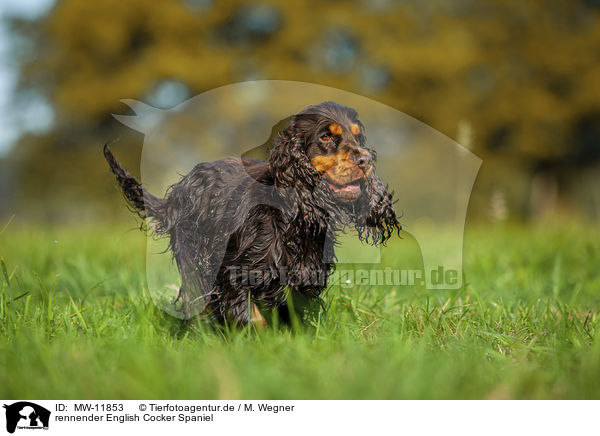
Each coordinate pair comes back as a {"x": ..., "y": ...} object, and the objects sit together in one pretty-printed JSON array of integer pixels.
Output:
[{"x": 325, "y": 138}]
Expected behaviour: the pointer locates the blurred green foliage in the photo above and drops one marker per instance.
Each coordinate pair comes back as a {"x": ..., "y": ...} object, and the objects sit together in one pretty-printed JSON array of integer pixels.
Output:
[{"x": 524, "y": 75}]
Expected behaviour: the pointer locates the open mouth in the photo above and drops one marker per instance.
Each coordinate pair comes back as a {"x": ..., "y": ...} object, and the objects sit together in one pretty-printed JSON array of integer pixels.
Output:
[{"x": 351, "y": 188}]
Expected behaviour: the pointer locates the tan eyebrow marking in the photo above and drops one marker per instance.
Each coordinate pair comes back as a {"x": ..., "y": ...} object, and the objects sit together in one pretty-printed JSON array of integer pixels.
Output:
[
  {"x": 336, "y": 129},
  {"x": 354, "y": 129}
]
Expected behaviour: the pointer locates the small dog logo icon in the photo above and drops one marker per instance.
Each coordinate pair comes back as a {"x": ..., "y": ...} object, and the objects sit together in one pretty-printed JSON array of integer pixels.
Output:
[{"x": 26, "y": 415}]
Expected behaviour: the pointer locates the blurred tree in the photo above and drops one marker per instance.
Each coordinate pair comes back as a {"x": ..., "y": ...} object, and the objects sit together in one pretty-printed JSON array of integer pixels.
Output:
[{"x": 525, "y": 74}]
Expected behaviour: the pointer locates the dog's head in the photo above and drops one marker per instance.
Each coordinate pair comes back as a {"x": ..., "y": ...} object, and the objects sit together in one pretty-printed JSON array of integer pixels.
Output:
[{"x": 323, "y": 155}]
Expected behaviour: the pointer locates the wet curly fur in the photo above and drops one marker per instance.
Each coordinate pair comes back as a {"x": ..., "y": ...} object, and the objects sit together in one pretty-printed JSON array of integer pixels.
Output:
[{"x": 279, "y": 218}]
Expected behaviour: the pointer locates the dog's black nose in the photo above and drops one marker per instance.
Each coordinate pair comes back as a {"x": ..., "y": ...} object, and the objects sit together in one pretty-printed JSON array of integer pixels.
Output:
[{"x": 364, "y": 161}]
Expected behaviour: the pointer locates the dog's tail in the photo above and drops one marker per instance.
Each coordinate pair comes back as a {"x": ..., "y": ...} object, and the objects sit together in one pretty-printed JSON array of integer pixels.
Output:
[{"x": 144, "y": 204}]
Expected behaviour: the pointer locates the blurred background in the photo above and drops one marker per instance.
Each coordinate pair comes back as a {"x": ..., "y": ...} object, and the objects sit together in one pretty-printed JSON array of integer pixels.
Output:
[{"x": 518, "y": 83}]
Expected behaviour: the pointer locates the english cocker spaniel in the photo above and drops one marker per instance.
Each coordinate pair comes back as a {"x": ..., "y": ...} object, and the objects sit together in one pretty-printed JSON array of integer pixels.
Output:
[{"x": 242, "y": 231}]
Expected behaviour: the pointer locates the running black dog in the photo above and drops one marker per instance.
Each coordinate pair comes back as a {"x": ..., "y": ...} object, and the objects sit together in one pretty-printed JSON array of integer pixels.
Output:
[{"x": 243, "y": 230}]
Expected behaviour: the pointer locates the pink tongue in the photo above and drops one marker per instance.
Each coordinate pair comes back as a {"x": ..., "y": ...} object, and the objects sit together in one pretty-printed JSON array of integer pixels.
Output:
[{"x": 353, "y": 187}]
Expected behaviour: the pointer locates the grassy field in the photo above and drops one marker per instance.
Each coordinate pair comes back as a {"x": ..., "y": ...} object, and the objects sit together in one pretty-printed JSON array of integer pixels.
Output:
[{"x": 76, "y": 321}]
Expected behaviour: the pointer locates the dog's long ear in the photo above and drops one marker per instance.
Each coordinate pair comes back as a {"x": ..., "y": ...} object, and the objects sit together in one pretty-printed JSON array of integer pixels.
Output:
[
  {"x": 288, "y": 159},
  {"x": 376, "y": 218}
]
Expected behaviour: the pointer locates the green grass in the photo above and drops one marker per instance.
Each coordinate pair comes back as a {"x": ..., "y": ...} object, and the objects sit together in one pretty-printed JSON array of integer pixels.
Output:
[{"x": 76, "y": 321}]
